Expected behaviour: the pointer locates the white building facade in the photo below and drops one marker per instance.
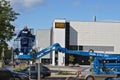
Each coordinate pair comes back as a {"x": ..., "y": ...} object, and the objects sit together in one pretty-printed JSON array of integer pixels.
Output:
[
  {"x": 75, "y": 35},
  {"x": 43, "y": 41},
  {"x": 58, "y": 36}
]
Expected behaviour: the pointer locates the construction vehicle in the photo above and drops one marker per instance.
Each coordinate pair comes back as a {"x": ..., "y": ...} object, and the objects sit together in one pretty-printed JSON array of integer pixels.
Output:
[{"x": 106, "y": 66}]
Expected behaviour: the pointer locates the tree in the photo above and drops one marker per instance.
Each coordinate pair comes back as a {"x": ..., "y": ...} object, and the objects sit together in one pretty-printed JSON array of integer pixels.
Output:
[
  {"x": 71, "y": 58},
  {"x": 7, "y": 16},
  {"x": 91, "y": 59},
  {"x": 33, "y": 52}
]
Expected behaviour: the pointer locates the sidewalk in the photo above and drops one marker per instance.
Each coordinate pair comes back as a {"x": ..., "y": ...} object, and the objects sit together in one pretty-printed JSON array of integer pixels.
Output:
[
  {"x": 56, "y": 69},
  {"x": 74, "y": 70}
]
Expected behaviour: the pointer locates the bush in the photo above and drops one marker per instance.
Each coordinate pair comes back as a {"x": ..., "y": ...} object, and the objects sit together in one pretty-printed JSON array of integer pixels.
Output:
[{"x": 66, "y": 73}]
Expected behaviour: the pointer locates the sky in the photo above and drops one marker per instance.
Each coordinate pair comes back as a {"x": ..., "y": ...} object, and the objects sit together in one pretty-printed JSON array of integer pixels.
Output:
[{"x": 40, "y": 14}]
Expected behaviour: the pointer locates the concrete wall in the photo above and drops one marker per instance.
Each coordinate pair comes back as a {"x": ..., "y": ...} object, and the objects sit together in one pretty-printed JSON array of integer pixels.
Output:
[
  {"x": 99, "y": 36},
  {"x": 96, "y": 34},
  {"x": 59, "y": 37},
  {"x": 43, "y": 40}
]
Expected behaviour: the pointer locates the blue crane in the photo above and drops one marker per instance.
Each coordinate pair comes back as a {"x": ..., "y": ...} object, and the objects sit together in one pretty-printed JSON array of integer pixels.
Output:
[{"x": 102, "y": 64}]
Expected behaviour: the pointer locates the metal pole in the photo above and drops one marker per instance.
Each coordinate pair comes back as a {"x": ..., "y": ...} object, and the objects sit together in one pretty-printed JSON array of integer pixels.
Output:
[
  {"x": 39, "y": 66},
  {"x": 12, "y": 57},
  {"x": 29, "y": 70}
]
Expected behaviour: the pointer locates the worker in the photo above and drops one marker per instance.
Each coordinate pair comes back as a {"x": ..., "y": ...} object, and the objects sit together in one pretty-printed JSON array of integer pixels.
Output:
[{"x": 24, "y": 36}]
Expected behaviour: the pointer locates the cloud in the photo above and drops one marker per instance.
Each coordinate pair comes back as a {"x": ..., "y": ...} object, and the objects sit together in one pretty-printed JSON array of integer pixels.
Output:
[
  {"x": 29, "y": 3},
  {"x": 25, "y": 3}
]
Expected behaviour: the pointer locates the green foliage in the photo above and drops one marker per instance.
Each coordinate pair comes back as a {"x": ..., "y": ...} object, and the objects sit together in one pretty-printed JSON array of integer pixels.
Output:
[
  {"x": 71, "y": 58},
  {"x": 8, "y": 54},
  {"x": 7, "y": 16},
  {"x": 33, "y": 52},
  {"x": 91, "y": 59},
  {"x": 66, "y": 73}
]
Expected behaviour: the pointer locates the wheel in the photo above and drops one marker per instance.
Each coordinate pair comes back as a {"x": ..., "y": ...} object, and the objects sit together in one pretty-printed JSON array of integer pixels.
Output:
[
  {"x": 41, "y": 75},
  {"x": 90, "y": 78},
  {"x": 17, "y": 78},
  {"x": 11, "y": 78},
  {"x": 109, "y": 78}
]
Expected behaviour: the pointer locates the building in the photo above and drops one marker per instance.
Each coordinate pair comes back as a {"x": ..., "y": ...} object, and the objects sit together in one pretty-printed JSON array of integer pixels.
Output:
[
  {"x": 76, "y": 35},
  {"x": 43, "y": 41}
]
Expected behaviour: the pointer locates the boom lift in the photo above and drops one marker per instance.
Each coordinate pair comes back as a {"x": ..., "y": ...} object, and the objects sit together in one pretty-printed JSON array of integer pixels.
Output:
[{"x": 103, "y": 64}]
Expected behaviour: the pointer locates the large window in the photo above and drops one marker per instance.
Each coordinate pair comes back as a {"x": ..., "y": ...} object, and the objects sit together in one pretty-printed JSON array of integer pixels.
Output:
[
  {"x": 75, "y": 47},
  {"x": 59, "y": 25}
]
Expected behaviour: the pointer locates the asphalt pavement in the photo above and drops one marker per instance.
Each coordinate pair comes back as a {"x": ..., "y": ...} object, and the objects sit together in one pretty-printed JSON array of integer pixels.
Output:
[{"x": 56, "y": 69}]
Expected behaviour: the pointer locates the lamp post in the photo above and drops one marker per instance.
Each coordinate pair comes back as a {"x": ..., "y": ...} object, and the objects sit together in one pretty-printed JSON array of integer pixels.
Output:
[
  {"x": 12, "y": 57},
  {"x": 39, "y": 66}
]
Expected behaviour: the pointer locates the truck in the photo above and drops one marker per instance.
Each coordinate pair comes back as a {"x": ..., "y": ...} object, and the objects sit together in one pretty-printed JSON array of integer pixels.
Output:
[{"x": 106, "y": 66}]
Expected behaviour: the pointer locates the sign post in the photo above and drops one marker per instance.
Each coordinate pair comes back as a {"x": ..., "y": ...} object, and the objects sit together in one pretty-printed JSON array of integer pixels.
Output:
[{"x": 39, "y": 67}]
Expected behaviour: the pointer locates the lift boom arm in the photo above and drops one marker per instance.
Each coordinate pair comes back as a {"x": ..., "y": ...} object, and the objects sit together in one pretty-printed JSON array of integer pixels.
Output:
[
  {"x": 103, "y": 63},
  {"x": 57, "y": 47}
]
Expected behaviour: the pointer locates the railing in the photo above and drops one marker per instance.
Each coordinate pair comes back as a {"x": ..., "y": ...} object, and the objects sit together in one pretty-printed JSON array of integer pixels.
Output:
[{"x": 17, "y": 43}]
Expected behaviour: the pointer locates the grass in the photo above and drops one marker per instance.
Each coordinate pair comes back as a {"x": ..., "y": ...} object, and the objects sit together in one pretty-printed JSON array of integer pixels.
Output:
[{"x": 66, "y": 73}]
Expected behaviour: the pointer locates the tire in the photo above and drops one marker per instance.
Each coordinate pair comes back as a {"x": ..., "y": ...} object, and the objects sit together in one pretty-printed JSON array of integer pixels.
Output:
[
  {"x": 90, "y": 78},
  {"x": 11, "y": 78},
  {"x": 17, "y": 78},
  {"x": 109, "y": 78},
  {"x": 41, "y": 75}
]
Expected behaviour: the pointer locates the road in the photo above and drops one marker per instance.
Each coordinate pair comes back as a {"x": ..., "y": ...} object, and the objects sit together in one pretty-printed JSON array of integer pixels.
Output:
[
  {"x": 59, "y": 78},
  {"x": 56, "y": 69}
]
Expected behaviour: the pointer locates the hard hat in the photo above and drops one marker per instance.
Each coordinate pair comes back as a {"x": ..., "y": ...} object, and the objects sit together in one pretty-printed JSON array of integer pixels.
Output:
[{"x": 25, "y": 27}]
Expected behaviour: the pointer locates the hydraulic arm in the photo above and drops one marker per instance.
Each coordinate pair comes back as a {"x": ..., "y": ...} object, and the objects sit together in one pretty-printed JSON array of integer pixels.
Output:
[{"x": 103, "y": 63}]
